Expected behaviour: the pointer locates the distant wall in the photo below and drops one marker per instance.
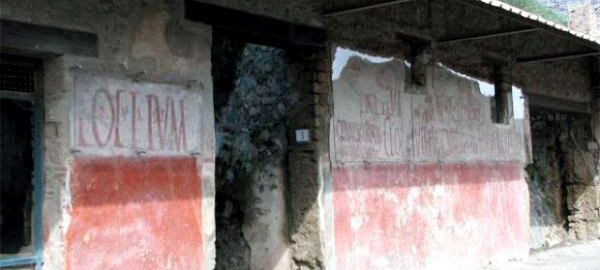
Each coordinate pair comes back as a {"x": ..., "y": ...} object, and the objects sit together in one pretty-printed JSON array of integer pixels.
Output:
[{"x": 566, "y": 7}]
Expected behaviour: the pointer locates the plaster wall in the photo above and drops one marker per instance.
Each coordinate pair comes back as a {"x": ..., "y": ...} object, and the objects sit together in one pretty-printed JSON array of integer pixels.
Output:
[
  {"x": 419, "y": 171},
  {"x": 129, "y": 138}
]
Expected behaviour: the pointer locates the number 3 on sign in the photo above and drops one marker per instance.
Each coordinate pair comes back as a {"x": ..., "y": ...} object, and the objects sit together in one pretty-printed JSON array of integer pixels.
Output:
[{"x": 302, "y": 135}]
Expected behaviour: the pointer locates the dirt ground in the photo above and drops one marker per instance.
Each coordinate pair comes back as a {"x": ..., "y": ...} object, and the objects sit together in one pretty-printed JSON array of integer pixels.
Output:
[{"x": 578, "y": 256}]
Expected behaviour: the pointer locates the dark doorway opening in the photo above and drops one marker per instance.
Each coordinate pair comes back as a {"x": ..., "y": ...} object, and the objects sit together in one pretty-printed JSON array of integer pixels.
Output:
[
  {"x": 562, "y": 191},
  {"x": 254, "y": 87},
  {"x": 16, "y": 160},
  {"x": 17, "y": 167}
]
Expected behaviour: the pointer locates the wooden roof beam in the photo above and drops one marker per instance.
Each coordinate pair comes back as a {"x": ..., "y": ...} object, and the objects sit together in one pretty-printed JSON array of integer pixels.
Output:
[
  {"x": 363, "y": 8},
  {"x": 554, "y": 57},
  {"x": 487, "y": 35}
]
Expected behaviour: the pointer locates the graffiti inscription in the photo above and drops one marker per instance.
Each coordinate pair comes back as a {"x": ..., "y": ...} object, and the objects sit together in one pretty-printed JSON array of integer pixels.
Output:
[{"x": 376, "y": 120}]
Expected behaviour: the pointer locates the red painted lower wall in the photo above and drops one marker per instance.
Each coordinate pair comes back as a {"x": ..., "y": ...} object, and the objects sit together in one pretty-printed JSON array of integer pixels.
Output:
[
  {"x": 135, "y": 213},
  {"x": 450, "y": 216}
]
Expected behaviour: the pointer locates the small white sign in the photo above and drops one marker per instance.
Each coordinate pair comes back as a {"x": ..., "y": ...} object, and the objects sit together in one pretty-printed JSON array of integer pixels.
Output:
[{"x": 302, "y": 135}]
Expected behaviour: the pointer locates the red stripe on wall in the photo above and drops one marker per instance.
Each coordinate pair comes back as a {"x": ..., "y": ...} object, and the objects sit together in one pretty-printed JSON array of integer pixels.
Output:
[
  {"x": 135, "y": 213},
  {"x": 435, "y": 216}
]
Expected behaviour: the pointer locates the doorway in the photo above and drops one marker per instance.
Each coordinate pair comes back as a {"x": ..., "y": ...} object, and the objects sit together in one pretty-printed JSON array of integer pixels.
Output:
[
  {"x": 563, "y": 196},
  {"x": 20, "y": 162},
  {"x": 254, "y": 87}
]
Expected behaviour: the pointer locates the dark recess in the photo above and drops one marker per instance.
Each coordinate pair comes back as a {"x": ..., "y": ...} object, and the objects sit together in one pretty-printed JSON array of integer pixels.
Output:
[{"x": 16, "y": 175}]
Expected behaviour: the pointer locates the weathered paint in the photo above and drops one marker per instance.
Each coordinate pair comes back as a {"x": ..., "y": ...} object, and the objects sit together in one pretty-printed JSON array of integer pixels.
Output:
[
  {"x": 422, "y": 179},
  {"x": 135, "y": 213},
  {"x": 436, "y": 216},
  {"x": 379, "y": 117},
  {"x": 117, "y": 116}
]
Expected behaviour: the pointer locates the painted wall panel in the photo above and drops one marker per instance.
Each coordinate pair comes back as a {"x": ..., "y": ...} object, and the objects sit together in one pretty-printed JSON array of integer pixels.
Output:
[
  {"x": 120, "y": 116},
  {"x": 135, "y": 213},
  {"x": 429, "y": 216},
  {"x": 146, "y": 96},
  {"x": 380, "y": 116},
  {"x": 422, "y": 179},
  {"x": 142, "y": 162}
]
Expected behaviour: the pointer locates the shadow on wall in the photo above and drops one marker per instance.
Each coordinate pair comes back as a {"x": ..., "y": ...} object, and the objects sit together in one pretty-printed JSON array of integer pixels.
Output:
[
  {"x": 389, "y": 176},
  {"x": 98, "y": 181}
]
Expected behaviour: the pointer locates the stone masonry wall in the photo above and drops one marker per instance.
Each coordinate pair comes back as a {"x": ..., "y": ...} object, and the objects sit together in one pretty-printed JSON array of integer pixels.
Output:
[
  {"x": 585, "y": 18},
  {"x": 561, "y": 179},
  {"x": 309, "y": 163},
  {"x": 547, "y": 192},
  {"x": 566, "y": 7}
]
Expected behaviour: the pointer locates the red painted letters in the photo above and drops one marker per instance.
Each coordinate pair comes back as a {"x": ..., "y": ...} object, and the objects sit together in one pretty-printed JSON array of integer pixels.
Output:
[{"x": 114, "y": 116}]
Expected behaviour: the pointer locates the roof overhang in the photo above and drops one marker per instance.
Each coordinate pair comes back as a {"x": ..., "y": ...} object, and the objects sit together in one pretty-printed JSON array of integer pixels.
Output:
[
  {"x": 472, "y": 36},
  {"x": 516, "y": 24}
]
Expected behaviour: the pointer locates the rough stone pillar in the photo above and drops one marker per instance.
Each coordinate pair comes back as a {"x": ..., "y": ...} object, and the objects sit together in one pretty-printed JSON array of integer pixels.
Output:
[
  {"x": 596, "y": 128},
  {"x": 57, "y": 160},
  {"x": 595, "y": 74},
  {"x": 309, "y": 161},
  {"x": 582, "y": 168},
  {"x": 503, "y": 87}
]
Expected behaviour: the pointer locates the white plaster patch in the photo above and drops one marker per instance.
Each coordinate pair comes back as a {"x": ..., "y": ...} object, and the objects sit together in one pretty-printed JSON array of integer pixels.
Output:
[
  {"x": 485, "y": 88},
  {"x": 388, "y": 195},
  {"x": 518, "y": 103},
  {"x": 381, "y": 262},
  {"x": 66, "y": 201},
  {"x": 355, "y": 223},
  {"x": 341, "y": 59},
  {"x": 438, "y": 191},
  {"x": 413, "y": 194},
  {"x": 407, "y": 208}
]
